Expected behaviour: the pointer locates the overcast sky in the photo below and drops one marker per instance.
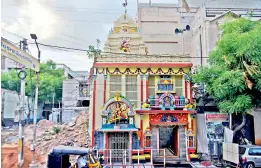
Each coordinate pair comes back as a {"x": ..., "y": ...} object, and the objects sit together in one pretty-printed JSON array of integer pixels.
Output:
[{"x": 69, "y": 23}]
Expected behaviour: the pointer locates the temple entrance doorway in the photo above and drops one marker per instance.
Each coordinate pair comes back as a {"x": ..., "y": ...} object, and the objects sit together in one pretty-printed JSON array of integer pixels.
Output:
[
  {"x": 168, "y": 140},
  {"x": 118, "y": 143}
]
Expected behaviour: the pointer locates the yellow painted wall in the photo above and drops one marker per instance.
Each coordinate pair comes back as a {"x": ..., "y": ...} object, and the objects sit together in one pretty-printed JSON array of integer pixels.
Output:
[{"x": 146, "y": 121}]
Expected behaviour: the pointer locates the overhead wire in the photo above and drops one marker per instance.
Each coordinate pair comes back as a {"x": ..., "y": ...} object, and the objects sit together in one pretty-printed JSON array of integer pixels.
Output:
[
  {"x": 9, "y": 6},
  {"x": 86, "y": 50}
]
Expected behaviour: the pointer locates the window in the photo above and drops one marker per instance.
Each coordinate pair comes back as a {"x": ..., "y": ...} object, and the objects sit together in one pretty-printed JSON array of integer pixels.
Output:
[
  {"x": 151, "y": 86},
  {"x": 179, "y": 85},
  {"x": 255, "y": 151},
  {"x": 131, "y": 89},
  {"x": 115, "y": 84},
  {"x": 242, "y": 150}
]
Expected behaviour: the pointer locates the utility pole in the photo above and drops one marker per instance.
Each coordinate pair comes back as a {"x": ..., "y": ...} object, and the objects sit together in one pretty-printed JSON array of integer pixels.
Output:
[
  {"x": 22, "y": 76},
  {"x": 53, "y": 104},
  {"x": 33, "y": 163}
]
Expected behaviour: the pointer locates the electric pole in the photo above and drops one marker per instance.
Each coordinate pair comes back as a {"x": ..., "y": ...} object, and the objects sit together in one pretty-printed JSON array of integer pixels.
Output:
[{"x": 22, "y": 76}]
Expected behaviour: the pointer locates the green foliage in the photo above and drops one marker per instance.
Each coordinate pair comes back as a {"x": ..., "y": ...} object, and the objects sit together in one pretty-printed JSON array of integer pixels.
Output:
[
  {"x": 51, "y": 80},
  {"x": 233, "y": 76},
  {"x": 10, "y": 81},
  {"x": 56, "y": 129}
]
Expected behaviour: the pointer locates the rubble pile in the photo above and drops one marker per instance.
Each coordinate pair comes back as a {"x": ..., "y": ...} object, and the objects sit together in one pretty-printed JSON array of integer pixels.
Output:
[
  {"x": 74, "y": 133},
  {"x": 10, "y": 153},
  {"x": 8, "y": 137}
]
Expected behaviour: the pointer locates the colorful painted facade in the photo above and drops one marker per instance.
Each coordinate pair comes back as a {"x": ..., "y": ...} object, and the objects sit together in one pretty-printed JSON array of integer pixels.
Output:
[{"x": 141, "y": 101}]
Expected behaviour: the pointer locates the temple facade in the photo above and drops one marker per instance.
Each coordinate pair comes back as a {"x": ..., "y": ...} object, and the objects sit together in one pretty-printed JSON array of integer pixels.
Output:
[{"x": 141, "y": 103}]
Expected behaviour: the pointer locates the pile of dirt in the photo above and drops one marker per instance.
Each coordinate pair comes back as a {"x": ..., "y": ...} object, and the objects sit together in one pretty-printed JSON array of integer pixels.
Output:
[
  {"x": 74, "y": 133},
  {"x": 10, "y": 156}
]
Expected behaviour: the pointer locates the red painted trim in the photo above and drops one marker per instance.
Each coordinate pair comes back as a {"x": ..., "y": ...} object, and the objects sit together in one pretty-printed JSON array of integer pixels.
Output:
[
  {"x": 141, "y": 64},
  {"x": 93, "y": 114},
  {"x": 169, "y": 123},
  {"x": 147, "y": 88},
  {"x": 141, "y": 90},
  {"x": 190, "y": 91},
  {"x": 141, "y": 137},
  {"x": 165, "y": 111},
  {"x": 192, "y": 124},
  {"x": 186, "y": 89},
  {"x": 104, "y": 91}
]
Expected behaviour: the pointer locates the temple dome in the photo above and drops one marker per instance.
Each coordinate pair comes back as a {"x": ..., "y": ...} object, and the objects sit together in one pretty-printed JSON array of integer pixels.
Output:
[
  {"x": 125, "y": 20},
  {"x": 125, "y": 38}
]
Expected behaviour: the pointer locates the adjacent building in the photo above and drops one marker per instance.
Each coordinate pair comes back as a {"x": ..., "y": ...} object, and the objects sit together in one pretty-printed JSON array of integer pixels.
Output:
[
  {"x": 141, "y": 103},
  {"x": 75, "y": 96},
  {"x": 157, "y": 23}
]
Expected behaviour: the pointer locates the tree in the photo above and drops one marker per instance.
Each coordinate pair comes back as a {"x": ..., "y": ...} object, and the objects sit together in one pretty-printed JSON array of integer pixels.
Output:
[
  {"x": 10, "y": 81},
  {"x": 51, "y": 80},
  {"x": 233, "y": 76}
]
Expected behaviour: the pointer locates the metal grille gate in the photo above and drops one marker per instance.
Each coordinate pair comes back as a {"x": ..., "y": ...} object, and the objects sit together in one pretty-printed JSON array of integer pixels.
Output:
[{"x": 119, "y": 142}]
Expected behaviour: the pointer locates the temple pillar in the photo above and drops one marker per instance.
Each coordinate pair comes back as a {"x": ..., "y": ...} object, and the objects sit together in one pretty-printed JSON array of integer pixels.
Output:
[
  {"x": 104, "y": 88},
  {"x": 141, "y": 129},
  {"x": 94, "y": 108},
  {"x": 186, "y": 89},
  {"x": 147, "y": 85},
  {"x": 141, "y": 88},
  {"x": 190, "y": 93},
  {"x": 130, "y": 147},
  {"x": 105, "y": 147}
]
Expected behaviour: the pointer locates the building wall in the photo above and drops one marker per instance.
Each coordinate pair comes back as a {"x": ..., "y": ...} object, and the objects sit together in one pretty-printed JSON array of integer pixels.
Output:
[
  {"x": 70, "y": 92},
  {"x": 158, "y": 22},
  {"x": 157, "y": 25}
]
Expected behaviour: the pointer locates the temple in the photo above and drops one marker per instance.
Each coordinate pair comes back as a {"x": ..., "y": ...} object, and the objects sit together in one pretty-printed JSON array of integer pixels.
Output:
[{"x": 141, "y": 103}]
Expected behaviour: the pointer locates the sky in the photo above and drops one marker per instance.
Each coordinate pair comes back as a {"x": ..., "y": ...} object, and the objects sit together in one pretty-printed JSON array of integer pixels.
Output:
[{"x": 68, "y": 23}]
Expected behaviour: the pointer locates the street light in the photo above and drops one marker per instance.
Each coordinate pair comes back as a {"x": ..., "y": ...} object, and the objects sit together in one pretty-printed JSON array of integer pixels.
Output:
[
  {"x": 177, "y": 31},
  {"x": 33, "y": 163}
]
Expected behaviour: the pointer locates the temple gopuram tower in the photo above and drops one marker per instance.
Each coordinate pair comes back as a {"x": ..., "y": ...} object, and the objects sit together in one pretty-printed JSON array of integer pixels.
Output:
[{"x": 141, "y": 105}]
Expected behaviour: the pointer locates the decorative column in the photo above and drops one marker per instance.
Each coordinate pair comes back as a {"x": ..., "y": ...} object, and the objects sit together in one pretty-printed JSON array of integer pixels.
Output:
[
  {"x": 190, "y": 88},
  {"x": 93, "y": 107},
  {"x": 106, "y": 147},
  {"x": 147, "y": 85},
  {"x": 130, "y": 148},
  {"x": 141, "y": 88},
  {"x": 141, "y": 129},
  {"x": 186, "y": 89},
  {"x": 104, "y": 88}
]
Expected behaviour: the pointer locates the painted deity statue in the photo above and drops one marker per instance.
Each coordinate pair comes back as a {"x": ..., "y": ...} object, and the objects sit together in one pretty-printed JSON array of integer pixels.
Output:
[
  {"x": 167, "y": 102},
  {"x": 118, "y": 112},
  {"x": 125, "y": 46}
]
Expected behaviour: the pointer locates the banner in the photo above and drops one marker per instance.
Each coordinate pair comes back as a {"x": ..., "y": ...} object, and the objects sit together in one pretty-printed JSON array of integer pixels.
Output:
[
  {"x": 14, "y": 53},
  {"x": 216, "y": 117}
]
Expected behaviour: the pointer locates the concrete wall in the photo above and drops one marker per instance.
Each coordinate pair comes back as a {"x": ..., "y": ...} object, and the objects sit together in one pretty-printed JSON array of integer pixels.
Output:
[
  {"x": 157, "y": 23},
  {"x": 70, "y": 92},
  {"x": 257, "y": 123}
]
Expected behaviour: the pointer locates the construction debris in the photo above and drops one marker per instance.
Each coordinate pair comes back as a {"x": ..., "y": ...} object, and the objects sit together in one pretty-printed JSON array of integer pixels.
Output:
[{"x": 50, "y": 135}]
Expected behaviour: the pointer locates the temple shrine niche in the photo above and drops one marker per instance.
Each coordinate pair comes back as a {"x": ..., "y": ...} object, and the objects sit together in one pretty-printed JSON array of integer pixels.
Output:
[{"x": 118, "y": 110}]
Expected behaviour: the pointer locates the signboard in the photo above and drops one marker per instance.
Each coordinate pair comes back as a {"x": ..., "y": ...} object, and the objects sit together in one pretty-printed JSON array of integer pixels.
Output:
[
  {"x": 117, "y": 128},
  {"x": 14, "y": 53},
  {"x": 216, "y": 117}
]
